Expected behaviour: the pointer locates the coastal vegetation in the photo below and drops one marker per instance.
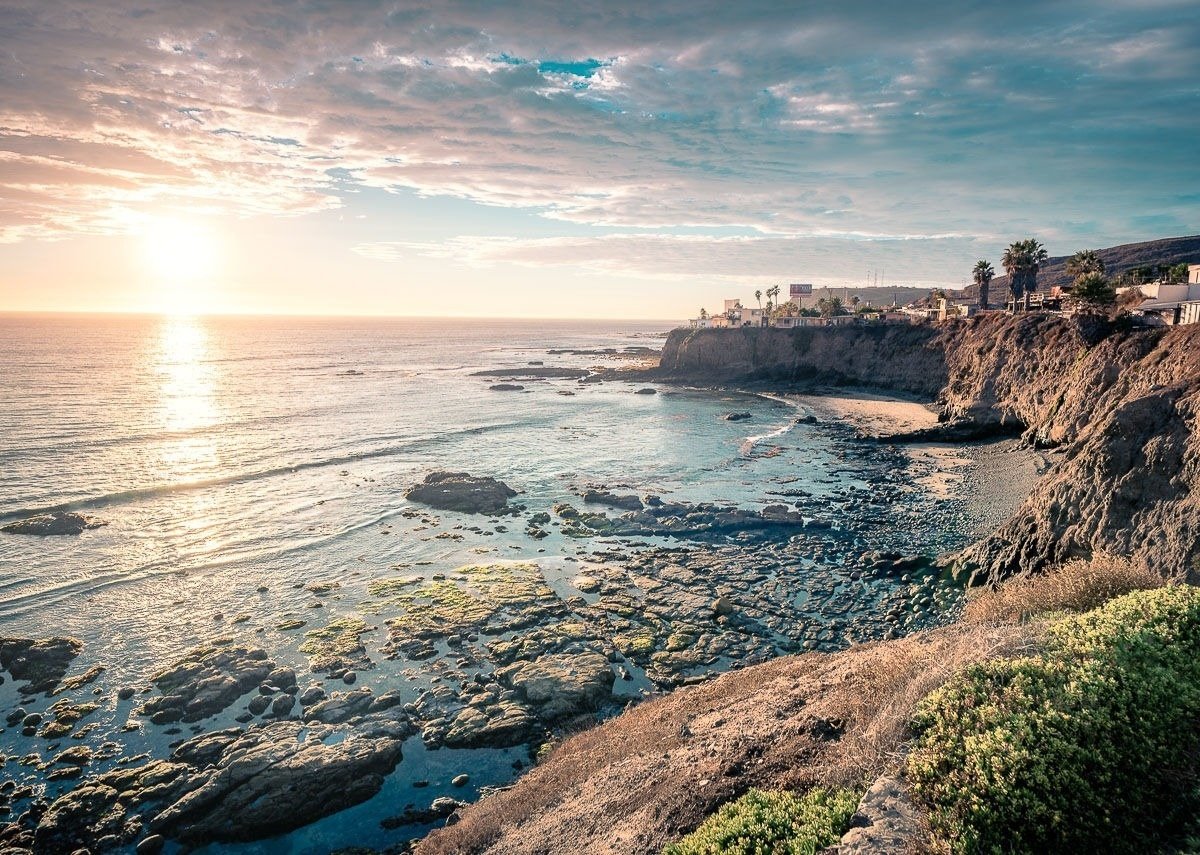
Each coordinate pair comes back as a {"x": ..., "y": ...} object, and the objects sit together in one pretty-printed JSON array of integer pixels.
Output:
[
  {"x": 1022, "y": 260},
  {"x": 982, "y": 275},
  {"x": 1091, "y": 741},
  {"x": 781, "y": 823}
]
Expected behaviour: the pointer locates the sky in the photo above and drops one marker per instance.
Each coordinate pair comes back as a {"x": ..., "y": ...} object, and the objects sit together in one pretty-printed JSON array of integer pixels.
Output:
[{"x": 550, "y": 159}]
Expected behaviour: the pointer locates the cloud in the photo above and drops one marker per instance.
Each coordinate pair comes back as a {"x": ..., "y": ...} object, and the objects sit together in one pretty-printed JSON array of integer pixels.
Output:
[
  {"x": 736, "y": 259},
  {"x": 846, "y": 119}
]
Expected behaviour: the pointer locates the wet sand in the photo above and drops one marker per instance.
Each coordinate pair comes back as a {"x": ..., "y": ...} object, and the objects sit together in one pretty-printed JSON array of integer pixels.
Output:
[{"x": 992, "y": 478}]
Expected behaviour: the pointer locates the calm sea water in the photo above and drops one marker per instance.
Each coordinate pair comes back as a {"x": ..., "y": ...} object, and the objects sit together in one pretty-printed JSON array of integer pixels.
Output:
[{"x": 226, "y": 454}]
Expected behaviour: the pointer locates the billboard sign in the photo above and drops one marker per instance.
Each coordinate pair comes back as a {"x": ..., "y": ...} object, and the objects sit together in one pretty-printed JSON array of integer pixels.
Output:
[{"x": 798, "y": 291}]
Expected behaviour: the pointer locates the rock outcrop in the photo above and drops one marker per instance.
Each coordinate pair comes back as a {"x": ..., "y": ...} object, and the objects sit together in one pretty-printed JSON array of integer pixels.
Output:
[
  {"x": 58, "y": 523},
  {"x": 41, "y": 663},
  {"x": 224, "y": 786},
  {"x": 458, "y": 491},
  {"x": 1120, "y": 404}
]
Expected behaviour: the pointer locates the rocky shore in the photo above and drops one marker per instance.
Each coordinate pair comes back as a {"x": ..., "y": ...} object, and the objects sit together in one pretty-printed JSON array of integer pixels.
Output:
[
  {"x": 493, "y": 656},
  {"x": 504, "y": 657},
  {"x": 1114, "y": 405}
]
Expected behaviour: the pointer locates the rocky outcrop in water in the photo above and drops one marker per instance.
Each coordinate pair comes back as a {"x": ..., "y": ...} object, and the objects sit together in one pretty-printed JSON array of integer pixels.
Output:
[
  {"x": 458, "y": 491},
  {"x": 1119, "y": 405},
  {"x": 225, "y": 786},
  {"x": 58, "y": 523},
  {"x": 41, "y": 663}
]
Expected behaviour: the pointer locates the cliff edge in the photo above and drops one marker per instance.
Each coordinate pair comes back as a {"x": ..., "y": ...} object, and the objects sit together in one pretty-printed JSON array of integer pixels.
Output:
[{"x": 1118, "y": 405}]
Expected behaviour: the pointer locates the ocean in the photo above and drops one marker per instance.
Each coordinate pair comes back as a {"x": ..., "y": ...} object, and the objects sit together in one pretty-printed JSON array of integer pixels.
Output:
[{"x": 241, "y": 463}]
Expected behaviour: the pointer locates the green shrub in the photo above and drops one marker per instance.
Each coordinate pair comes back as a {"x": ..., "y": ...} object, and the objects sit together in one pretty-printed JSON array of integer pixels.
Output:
[
  {"x": 1089, "y": 747},
  {"x": 772, "y": 823}
]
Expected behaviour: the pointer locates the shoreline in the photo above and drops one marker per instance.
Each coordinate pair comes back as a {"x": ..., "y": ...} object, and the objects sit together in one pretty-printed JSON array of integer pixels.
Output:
[{"x": 992, "y": 478}]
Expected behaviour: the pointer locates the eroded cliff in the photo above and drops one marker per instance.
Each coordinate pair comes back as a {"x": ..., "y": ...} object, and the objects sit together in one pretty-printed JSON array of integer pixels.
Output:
[{"x": 1118, "y": 405}]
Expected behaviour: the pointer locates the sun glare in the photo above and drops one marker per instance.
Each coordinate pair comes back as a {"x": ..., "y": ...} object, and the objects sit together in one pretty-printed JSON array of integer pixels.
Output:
[{"x": 181, "y": 258}]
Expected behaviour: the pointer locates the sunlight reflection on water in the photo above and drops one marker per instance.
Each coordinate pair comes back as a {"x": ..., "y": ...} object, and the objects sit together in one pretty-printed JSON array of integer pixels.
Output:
[{"x": 186, "y": 396}]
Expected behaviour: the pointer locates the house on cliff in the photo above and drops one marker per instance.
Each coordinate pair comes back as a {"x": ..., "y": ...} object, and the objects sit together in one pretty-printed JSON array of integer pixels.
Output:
[{"x": 1171, "y": 304}]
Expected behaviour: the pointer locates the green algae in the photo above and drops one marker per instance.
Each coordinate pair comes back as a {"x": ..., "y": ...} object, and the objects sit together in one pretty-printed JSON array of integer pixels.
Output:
[{"x": 331, "y": 646}]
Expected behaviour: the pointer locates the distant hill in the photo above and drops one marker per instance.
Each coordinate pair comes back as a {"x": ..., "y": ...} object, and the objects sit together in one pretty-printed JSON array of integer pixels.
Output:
[{"x": 1117, "y": 259}]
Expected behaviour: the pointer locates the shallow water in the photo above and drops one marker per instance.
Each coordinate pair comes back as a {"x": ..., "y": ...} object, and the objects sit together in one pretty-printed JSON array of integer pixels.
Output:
[{"x": 229, "y": 455}]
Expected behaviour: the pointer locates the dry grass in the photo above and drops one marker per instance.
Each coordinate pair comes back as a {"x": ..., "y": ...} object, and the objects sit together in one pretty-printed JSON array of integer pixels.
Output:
[
  {"x": 639, "y": 781},
  {"x": 1077, "y": 586}
]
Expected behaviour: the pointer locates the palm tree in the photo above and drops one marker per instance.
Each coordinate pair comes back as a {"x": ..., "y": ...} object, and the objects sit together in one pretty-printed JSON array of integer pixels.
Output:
[
  {"x": 703, "y": 313},
  {"x": 1083, "y": 262},
  {"x": 1022, "y": 260},
  {"x": 773, "y": 292},
  {"x": 1093, "y": 290},
  {"x": 982, "y": 274},
  {"x": 758, "y": 296}
]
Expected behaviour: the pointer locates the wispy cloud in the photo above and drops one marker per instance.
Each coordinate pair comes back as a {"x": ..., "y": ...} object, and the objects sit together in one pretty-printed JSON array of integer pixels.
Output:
[
  {"x": 852, "y": 119},
  {"x": 735, "y": 259}
]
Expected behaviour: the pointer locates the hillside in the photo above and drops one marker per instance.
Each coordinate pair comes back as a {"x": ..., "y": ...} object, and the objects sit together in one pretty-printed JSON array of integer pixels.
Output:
[{"x": 1117, "y": 259}]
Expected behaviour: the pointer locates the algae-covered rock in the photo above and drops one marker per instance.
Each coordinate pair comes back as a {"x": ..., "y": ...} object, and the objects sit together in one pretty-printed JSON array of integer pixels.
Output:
[
  {"x": 561, "y": 685},
  {"x": 490, "y": 598},
  {"x": 337, "y": 647}
]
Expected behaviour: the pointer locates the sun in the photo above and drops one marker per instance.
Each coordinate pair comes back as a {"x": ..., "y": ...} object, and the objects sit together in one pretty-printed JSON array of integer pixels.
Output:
[{"x": 180, "y": 258}]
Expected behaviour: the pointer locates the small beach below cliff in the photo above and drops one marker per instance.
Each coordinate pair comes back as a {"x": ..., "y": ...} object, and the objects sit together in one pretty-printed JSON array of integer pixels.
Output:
[{"x": 991, "y": 478}]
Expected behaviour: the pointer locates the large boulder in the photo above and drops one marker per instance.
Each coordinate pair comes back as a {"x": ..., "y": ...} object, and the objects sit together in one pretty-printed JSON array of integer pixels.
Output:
[
  {"x": 561, "y": 685},
  {"x": 41, "y": 662},
  {"x": 498, "y": 726},
  {"x": 51, "y": 524},
  {"x": 206, "y": 681},
  {"x": 458, "y": 491},
  {"x": 278, "y": 778}
]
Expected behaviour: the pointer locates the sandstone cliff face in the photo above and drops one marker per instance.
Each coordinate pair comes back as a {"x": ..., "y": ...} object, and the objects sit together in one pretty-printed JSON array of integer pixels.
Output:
[
  {"x": 900, "y": 357},
  {"x": 1121, "y": 407}
]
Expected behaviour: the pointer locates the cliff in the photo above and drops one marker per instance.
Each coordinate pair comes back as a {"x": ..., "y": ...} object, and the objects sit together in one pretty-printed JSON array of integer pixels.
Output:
[{"x": 1119, "y": 406}]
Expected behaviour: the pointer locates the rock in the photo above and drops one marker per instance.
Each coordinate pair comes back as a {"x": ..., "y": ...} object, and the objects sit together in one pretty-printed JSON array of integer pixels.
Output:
[
  {"x": 603, "y": 497},
  {"x": 206, "y": 681},
  {"x": 461, "y": 780},
  {"x": 646, "y": 391},
  {"x": 282, "y": 705},
  {"x": 349, "y": 678},
  {"x": 441, "y": 807},
  {"x": 560, "y": 685},
  {"x": 458, "y": 491},
  {"x": 312, "y": 695},
  {"x": 500, "y": 725},
  {"x": 506, "y": 387},
  {"x": 266, "y": 775},
  {"x": 258, "y": 704},
  {"x": 341, "y": 706},
  {"x": 736, "y": 417},
  {"x": 58, "y": 523},
  {"x": 885, "y": 821},
  {"x": 125, "y": 693},
  {"x": 41, "y": 663},
  {"x": 151, "y": 845},
  {"x": 721, "y": 606}
]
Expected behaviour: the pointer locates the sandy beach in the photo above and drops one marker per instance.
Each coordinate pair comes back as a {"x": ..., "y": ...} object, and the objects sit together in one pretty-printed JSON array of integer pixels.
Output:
[{"x": 992, "y": 478}]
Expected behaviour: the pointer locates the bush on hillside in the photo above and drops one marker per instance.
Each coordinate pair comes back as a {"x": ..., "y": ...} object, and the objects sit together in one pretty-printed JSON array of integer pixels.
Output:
[
  {"x": 1091, "y": 746},
  {"x": 772, "y": 823},
  {"x": 1077, "y": 586}
]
